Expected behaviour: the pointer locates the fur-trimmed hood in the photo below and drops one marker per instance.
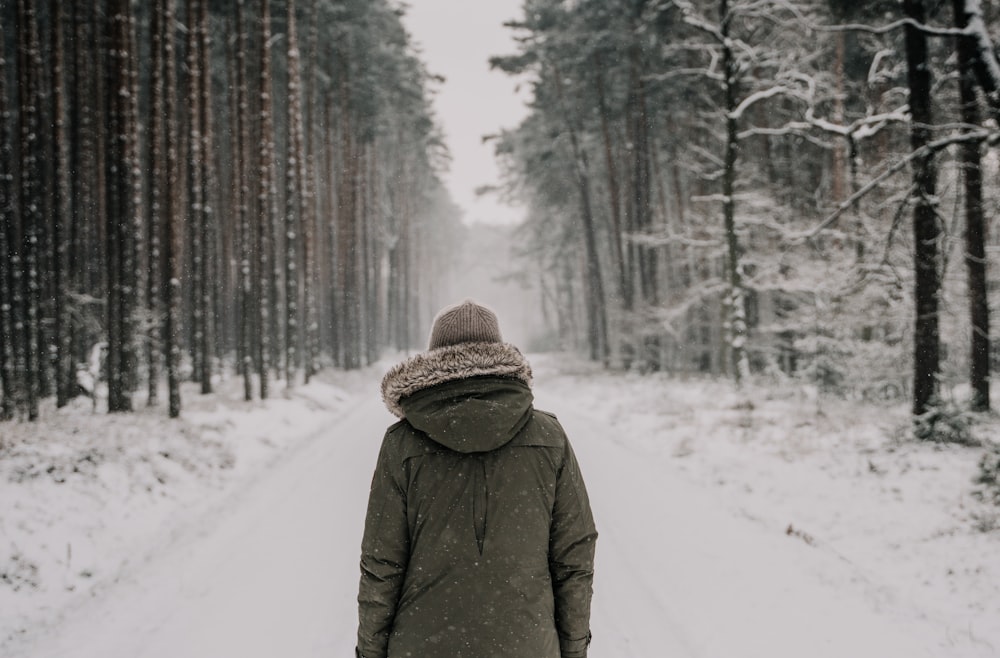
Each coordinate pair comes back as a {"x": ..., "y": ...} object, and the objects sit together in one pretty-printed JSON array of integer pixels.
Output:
[{"x": 451, "y": 363}]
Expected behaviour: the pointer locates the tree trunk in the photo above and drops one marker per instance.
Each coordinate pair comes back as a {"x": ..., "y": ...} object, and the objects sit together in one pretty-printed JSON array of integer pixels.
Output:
[
  {"x": 30, "y": 74},
  {"x": 208, "y": 194},
  {"x": 347, "y": 235},
  {"x": 154, "y": 208},
  {"x": 171, "y": 215},
  {"x": 311, "y": 234},
  {"x": 265, "y": 200},
  {"x": 975, "y": 226},
  {"x": 7, "y": 219},
  {"x": 293, "y": 200},
  {"x": 121, "y": 166},
  {"x": 247, "y": 302},
  {"x": 597, "y": 322},
  {"x": 195, "y": 163},
  {"x": 61, "y": 204},
  {"x": 736, "y": 299},
  {"x": 926, "y": 232}
]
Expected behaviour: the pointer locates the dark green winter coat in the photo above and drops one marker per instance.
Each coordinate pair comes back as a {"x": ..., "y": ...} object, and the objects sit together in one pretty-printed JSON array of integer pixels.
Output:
[{"x": 479, "y": 540}]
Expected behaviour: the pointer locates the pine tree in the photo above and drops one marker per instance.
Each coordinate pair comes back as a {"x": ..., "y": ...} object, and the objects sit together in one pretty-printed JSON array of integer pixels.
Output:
[
  {"x": 926, "y": 232},
  {"x": 196, "y": 193},
  {"x": 122, "y": 208},
  {"x": 154, "y": 206},
  {"x": 208, "y": 192},
  {"x": 248, "y": 303},
  {"x": 311, "y": 233},
  {"x": 266, "y": 205},
  {"x": 7, "y": 218},
  {"x": 30, "y": 76},
  {"x": 171, "y": 216},
  {"x": 63, "y": 214},
  {"x": 975, "y": 225},
  {"x": 293, "y": 199}
]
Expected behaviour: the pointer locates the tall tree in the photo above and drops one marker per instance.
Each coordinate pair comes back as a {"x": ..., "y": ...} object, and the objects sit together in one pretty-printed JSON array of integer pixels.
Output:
[
  {"x": 7, "y": 380},
  {"x": 736, "y": 297},
  {"x": 194, "y": 225},
  {"x": 310, "y": 169},
  {"x": 266, "y": 205},
  {"x": 122, "y": 218},
  {"x": 293, "y": 200},
  {"x": 975, "y": 225},
  {"x": 926, "y": 231},
  {"x": 208, "y": 194},
  {"x": 171, "y": 284},
  {"x": 247, "y": 301},
  {"x": 30, "y": 79},
  {"x": 153, "y": 207},
  {"x": 64, "y": 370}
]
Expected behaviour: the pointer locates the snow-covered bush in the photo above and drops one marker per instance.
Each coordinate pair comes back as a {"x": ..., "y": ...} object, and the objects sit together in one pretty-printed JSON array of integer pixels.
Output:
[
  {"x": 988, "y": 478},
  {"x": 946, "y": 422}
]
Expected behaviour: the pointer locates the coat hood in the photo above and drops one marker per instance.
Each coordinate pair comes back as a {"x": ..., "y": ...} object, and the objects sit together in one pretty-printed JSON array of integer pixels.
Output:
[{"x": 471, "y": 397}]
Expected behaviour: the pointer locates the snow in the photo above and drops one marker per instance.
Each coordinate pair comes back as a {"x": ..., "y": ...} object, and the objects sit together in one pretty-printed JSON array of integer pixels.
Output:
[{"x": 762, "y": 522}]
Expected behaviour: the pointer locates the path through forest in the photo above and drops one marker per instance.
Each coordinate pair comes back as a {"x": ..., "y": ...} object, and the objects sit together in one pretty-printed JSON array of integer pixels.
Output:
[{"x": 273, "y": 571}]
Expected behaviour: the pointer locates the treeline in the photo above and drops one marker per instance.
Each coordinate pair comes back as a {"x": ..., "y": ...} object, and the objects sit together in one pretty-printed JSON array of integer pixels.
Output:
[
  {"x": 782, "y": 189},
  {"x": 190, "y": 189}
]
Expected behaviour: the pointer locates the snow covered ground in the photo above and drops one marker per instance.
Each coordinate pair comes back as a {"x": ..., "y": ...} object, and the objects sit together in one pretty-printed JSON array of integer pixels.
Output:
[{"x": 781, "y": 528}]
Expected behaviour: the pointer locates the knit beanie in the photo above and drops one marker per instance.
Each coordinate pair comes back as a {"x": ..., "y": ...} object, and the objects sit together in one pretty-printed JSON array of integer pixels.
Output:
[{"x": 467, "y": 322}]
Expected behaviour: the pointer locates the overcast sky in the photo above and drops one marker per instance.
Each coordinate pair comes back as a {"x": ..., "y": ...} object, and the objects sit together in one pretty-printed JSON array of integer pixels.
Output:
[{"x": 456, "y": 38}]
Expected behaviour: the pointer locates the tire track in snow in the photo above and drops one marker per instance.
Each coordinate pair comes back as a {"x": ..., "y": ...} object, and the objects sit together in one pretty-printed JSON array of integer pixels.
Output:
[
  {"x": 680, "y": 575},
  {"x": 270, "y": 571}
]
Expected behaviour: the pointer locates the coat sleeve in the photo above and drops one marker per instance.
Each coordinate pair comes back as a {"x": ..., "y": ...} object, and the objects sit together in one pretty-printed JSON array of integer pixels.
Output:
[
  {"x": 385, "y": 552},
  {"x": 572, "y": 541}
]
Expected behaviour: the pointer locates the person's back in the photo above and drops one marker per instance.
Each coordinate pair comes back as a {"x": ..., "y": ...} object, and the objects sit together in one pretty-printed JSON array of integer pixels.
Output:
[{"x": 479, "y": 540}]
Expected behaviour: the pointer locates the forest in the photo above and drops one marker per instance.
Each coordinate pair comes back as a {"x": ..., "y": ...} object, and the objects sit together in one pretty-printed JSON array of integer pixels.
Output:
[
  {"x": 763, "y": 190},
  {"x": 767, "y": 189},
  {"x": 194, "y": 187}
]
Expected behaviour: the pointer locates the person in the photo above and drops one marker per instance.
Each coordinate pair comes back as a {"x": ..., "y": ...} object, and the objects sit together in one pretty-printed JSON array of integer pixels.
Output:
[{"x": 479, "y": 538}]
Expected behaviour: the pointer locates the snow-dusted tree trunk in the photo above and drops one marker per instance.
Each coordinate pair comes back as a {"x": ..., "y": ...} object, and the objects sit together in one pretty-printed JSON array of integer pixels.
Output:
[
  {"x": 311, "y": 247},
  {"x": 84, "y": 157},
  {"x": 29, "y": 81},
  {"x": 926, "y": 232},
  {"x": 641, "y": 183},
  {"x": 347, "y": 230},
  {"x": 7, "y": 218},
  {"x": 975, "y": 226},
  {"x": 196, "y": 196},
  {"x": 154, "y": 207},
  {"x": 623, "y": 283},
  {"x": 61, "y": 204},
  {"x": 207, "y": 224},
  {"x": 982, "y": 54},
  {"x": 736, "y": 296},
  {"x": 597, "y": 320},
  {"x": 171, "y": 283},
  {"x": 265, "y": 199},
  {"x": 247, "y": 302},
  {"x": 293, "y": 199},
  {"x": 122, "y": 166}
]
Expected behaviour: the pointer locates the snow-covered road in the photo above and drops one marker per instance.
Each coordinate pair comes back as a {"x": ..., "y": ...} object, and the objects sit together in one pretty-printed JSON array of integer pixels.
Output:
[{"x": 272, "y": 572}]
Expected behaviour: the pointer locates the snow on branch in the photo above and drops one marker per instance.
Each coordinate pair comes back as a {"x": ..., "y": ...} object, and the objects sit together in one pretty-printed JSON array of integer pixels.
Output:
[
  {"x": 863, "y": 128},
  {"x": 738, "y": 111},
  {"x": 890, "y": 27},
  {"x": 697, "y": 22},
  {"x": 927, "y": 149}
]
